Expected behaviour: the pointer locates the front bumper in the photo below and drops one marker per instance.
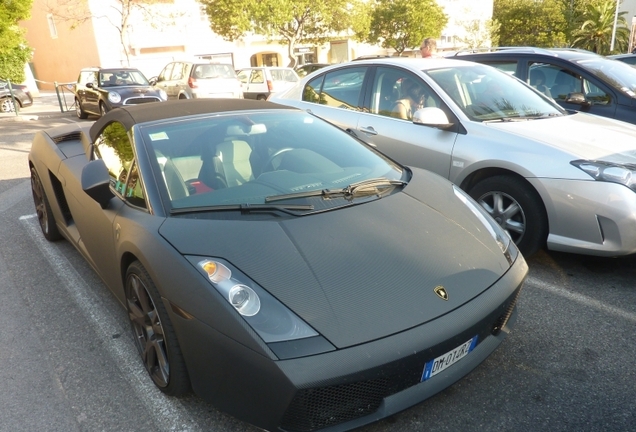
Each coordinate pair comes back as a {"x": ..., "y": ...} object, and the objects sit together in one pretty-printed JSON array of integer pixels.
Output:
[
  {"x": 346, "y": 388},
  {"x": 589, "y": 217}
]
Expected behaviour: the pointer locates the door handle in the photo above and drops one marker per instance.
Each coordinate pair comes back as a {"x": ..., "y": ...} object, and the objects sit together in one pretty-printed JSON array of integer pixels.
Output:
[{"x": 369, "y": 130}]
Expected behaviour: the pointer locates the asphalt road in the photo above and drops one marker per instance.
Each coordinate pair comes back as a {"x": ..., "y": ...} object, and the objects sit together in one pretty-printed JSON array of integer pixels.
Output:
[{"x": 67, "y": 361}]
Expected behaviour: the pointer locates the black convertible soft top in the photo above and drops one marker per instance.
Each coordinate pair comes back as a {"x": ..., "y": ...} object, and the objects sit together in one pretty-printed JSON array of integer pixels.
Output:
[{"x": 130, "y": 115}]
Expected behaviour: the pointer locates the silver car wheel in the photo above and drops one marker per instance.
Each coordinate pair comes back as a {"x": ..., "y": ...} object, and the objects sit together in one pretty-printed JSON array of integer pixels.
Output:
[{"x": 517, "y": 208}]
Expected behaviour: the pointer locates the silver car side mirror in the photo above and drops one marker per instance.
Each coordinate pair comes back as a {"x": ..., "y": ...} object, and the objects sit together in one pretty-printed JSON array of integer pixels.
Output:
[{"x": 432, "y": 116}]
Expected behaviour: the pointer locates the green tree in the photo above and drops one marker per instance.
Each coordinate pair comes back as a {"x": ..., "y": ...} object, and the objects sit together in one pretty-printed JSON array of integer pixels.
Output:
[
  {"x": 595, "y": 33},
  {"x": 538, "y": 23},
  {"x": 403, "y": 24},
  {"x": 478, "y": 34},
  {"x": 14, "y": 51},
  {"x": 289, "y": 22}
]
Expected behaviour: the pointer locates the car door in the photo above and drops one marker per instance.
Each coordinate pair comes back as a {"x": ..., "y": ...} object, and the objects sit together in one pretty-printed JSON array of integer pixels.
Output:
[
  {"x": 163, "y": 81},
  {"x": 97, "y": 233},
  {"x": 407, "y": 142},
  {"x": 337, "y": 96},
  {"x": 562, "y": 80}
]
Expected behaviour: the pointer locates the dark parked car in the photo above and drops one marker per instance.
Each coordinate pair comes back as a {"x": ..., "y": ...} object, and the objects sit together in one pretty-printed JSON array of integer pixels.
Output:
[
  {"x": 308, "y": 68},
  {"x": 577, "y": 79},
  {"x": 20, "y": 93},
  {"x": 198, "y": 79},
  {"x": 276, "y": 265},
  {"x": 630, "y": 59},
  {"x": 100, "y": 90}
]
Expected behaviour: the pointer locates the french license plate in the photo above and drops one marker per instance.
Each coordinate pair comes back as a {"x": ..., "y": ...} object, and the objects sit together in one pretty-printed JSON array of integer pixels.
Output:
[{"x": 435, "y": 366}]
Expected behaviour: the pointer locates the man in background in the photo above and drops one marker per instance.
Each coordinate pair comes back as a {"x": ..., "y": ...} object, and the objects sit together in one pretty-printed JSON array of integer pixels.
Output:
[{"x": 428, "y": 49}]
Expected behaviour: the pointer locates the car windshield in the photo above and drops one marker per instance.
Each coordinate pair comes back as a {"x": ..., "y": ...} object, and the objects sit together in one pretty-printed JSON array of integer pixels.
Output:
[
  {"x": 116, "y": 78},
  {"x": 484, "y": 93},
  {"x": 213, "y": 71},
  {"x": 618, "y": 74},
  {"x": 280, "y": 157}
]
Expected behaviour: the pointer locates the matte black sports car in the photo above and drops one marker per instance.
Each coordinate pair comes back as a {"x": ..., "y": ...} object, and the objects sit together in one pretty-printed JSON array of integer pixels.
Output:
[{"x": 276, "y": 265}]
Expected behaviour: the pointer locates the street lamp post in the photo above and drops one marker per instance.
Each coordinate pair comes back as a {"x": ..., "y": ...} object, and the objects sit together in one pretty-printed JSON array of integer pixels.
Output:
[{"x": 614, "y": 28}]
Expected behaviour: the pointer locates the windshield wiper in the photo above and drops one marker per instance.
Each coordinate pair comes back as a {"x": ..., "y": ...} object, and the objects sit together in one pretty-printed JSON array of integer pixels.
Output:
[
  {"x": 244, "y": 208},
  {"x": 364, "y": 187}
]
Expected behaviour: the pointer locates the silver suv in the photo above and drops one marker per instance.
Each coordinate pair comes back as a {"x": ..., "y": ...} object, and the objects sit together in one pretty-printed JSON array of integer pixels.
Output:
[{"x": 202, "y": 79}]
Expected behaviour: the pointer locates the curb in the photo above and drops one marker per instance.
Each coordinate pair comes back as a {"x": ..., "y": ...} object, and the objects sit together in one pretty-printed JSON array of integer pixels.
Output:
[{"x": 11, "y": 117}]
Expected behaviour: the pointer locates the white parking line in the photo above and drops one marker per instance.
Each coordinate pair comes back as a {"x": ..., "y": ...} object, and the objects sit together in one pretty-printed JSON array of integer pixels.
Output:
[
  {"x": 584, "y": 300},
  {"x": 168, "y": 413}
]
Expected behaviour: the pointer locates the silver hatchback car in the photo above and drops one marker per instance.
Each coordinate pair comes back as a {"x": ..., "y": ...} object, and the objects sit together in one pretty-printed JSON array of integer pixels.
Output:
[
  {"x": 547, "y": 176},
  {"x": 197, "y": 80}
]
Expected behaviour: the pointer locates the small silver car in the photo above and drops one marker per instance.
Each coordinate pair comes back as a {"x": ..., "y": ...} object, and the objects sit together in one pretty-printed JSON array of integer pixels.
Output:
[{"x": 546, "y": 175}]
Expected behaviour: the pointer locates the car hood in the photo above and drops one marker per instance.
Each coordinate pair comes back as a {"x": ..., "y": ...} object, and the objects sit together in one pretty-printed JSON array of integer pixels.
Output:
[
  {"x": 583, "y": 136},
  {"x": 365, "y": 271}
]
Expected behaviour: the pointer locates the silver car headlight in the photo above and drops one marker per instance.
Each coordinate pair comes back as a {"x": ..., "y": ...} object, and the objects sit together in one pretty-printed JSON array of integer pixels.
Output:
[
  {"x": 114, "y": 97},
  {"x": 609, "y": 172},
  {"x": 496, "y": 231},
  {"x": 163, "y": 95},
  {"x": 272, "y": 320}
]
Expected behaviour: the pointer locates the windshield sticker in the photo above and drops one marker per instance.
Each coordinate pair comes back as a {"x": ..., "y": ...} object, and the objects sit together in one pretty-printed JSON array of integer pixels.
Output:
[{"x": 158, "y": 136}]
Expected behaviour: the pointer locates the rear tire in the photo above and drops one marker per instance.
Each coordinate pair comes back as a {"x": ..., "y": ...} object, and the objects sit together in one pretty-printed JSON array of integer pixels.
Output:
[
  {"x": 517, "y": 208},
  {"x": 153, "y": 333},
  {"x": 43, "y": 209},
  {"x": 6, "y": 105},
  {"x": 261, "y": 97}
]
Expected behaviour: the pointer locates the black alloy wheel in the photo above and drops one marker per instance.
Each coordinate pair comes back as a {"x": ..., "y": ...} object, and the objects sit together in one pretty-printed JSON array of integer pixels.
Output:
[
  {"x": 153, "y": 333},
  {"x": 43, "y": 209},
  {"x": 517, "y": 208}
]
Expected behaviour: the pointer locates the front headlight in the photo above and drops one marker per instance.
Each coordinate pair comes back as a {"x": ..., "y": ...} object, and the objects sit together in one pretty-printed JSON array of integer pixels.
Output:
[
  {"x": 114, "y": 97},
  {"x": 609, "y": 172},
  {"x": 272, "y": 320},
  {"x": 497, "y": 232},
  {"x": 163, "y": 95}
]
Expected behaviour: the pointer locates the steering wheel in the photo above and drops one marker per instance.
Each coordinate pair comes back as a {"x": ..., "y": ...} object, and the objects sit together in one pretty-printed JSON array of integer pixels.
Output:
[{"x": 274, "y": 156}]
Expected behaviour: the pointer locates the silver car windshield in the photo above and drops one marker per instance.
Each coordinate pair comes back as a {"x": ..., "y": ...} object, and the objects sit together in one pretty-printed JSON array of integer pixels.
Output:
[
  {"x": 244, "y": 159},
  {"x": 484, "y": 93},
  {"x": 618, "y": 74}
]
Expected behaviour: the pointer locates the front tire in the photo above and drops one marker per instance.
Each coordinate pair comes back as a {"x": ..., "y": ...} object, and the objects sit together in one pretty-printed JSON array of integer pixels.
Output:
[
  {"x": 81, "y": 114},
  {"x": 102, "y": 109},
  {"x": 43, "y": 209},
  {"x": 154, "y": 335},
  {"x": 517, "y": 208}
]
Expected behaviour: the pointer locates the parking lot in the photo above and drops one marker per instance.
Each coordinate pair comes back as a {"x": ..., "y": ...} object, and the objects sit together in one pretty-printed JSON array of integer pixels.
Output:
[{"x": 69, "y": 362}]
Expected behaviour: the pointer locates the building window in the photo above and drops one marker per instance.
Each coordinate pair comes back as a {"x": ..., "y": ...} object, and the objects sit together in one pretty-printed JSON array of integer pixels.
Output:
[{"x": 52, "y": 28}]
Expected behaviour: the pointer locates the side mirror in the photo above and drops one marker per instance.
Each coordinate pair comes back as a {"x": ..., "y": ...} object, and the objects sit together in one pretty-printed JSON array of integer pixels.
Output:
[
  {"x": 432, "y": 116},
  {"x": 89, "y": 85},
  {"x": 153, "y": 80},
  {"x": 96, "y": 182},
  {"x": 577, "y": 98}
]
